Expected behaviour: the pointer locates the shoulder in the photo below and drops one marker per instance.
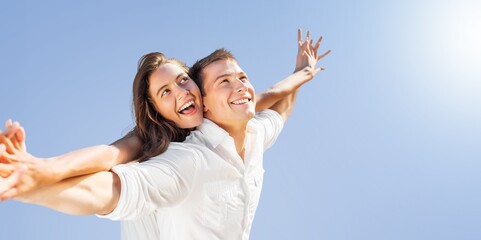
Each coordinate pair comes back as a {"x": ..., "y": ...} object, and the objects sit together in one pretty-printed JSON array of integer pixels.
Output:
[
  {"x": 266, "y": 117},
  {"x": 267, "y": 114},
  {"x": 195, "y": 137}
]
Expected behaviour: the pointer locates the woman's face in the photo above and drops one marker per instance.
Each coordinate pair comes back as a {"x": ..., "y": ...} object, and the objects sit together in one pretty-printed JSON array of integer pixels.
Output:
[{"x": 175, "y": 96}]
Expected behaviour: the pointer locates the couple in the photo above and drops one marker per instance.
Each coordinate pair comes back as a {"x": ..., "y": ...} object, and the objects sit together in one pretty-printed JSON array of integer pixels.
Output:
[{"x": 203, "y": 140}]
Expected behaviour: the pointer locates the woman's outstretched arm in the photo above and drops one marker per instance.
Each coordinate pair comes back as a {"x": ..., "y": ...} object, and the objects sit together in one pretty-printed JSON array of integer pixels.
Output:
[
  {"x": 46, "y": 171},
  {"x": 128, "y": 191}
]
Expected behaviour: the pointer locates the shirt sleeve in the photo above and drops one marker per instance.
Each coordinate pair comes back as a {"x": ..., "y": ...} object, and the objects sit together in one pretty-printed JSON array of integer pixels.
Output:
[
  {"x": 270, "y": 122},
  {"x": 159, "y": 182}
]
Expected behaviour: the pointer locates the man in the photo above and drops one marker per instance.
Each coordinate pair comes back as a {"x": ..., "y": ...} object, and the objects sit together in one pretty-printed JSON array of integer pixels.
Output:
[{"x": 219, "y": 189}]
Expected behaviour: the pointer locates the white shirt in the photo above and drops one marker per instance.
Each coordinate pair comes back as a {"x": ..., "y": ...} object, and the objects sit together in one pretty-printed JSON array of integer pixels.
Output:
[{"x": 199, "y": 189}]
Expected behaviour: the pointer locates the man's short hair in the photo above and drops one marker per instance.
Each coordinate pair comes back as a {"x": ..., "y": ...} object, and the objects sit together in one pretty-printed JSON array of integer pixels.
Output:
[{"x": 195, "y": 71}]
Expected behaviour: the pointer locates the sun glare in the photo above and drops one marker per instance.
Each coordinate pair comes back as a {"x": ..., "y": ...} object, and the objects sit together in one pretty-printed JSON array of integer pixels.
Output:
[
  {"x": 451, "y": 31},
  {"x": 447, "y": 38},
  {"x": 460, "y": 32}
]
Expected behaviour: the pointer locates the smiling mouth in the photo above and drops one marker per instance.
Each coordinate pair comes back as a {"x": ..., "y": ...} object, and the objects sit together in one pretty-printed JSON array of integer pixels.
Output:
[
  {"x": 241, "y": 101},
  {"x": 187, "y": 108}
]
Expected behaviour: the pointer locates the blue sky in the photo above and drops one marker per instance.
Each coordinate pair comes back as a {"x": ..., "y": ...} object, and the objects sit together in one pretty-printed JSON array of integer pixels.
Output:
[{"x": 384, "y": 144}]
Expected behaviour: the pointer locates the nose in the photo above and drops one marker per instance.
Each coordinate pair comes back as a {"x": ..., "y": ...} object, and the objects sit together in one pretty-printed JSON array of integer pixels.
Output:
[
  {"x": 241, "y": 85},
  {"x": 181, "y": 92}
]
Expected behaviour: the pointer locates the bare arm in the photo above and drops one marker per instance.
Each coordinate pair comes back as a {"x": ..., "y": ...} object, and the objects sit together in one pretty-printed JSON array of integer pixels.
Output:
[
  {"x": 94, "y": 159},
  {"x": 96, "y": 193},
  {"x": 285, "y": 106},
  {"x": 146, "y": 187},
  {"x": 88, "y": 194},
  {"x": 282, "y": 89},
  {"x": 44, "y": 172}
]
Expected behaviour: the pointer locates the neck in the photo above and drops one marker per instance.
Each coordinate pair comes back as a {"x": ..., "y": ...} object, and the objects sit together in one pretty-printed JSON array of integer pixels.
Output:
[{"x": 238, "y": 133}]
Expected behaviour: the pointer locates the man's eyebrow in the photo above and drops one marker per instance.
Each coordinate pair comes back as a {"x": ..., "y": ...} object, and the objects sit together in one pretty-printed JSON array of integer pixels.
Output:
[
  {"x": 178, "y": 76},
  {"x": 223, "y": 76},
  {"x": 229, "y": 74}
]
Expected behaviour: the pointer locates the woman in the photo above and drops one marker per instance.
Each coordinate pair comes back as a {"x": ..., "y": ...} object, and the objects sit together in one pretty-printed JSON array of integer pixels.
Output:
[
  {"x": 150, "y": 137},
  {"x": 167, "y": 105}
]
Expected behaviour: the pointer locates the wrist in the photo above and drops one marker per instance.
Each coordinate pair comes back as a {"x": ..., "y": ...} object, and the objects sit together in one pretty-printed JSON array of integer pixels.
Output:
[
  {"x": 55, "y": 170},
  {"x": 25, "y": 198},
  {"x": 308, "y": 72}
]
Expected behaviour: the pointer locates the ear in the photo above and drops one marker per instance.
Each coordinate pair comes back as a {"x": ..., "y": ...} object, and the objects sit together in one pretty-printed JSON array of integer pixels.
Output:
[{"x": 205, "y": 109}]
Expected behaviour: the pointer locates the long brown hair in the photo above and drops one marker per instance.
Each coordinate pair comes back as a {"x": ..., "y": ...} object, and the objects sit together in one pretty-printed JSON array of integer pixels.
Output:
[{"x": 152, "y": 128}]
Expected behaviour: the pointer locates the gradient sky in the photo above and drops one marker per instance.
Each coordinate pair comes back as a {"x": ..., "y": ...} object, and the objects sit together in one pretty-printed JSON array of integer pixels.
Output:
[{"x": 384, "y": 144}]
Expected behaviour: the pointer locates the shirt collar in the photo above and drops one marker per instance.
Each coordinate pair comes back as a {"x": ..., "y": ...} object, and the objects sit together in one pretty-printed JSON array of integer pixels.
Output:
[
  {"x": 212, "y": 132},
  {"x": 215, "y": 135}
]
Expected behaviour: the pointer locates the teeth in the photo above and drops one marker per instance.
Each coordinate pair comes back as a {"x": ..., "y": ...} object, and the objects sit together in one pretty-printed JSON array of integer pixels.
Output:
[
  {"x": 188, "y": 104},
  {"x": 245, "y": 100}
]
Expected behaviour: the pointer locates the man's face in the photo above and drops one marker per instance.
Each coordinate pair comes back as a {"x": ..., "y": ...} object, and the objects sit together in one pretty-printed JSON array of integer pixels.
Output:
[
  {"x": 229, "y": 96},
  {"x": 176, "y": 97}
]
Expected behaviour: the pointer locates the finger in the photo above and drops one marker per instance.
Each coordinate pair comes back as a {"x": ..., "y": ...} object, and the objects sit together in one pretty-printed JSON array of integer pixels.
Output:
[
  {"x": 318, "y": 43},
  {"x": 309, "y": 52},
  {"x": 315, "y": 71},
  {"x": 12, "y": 180},
  {"x": 4, "y": 160},
  {"x": 5, "y": 157},
  {"x": 8, "y": 127},
  {"x": 308, "y": 36},
  {"x": 12, "y": 129},
  {"x": 20, "y": 136},
  {"x": 8, "y": 144},
  {"x": 304, "y": 47},
  {"x": 12, "y": 135},
  {"x": 299, "y": 35},
  {"x": 6, "y": 169},
  {"x": 8, "y": 123},
  {"x": 9, "y": 194},
  {"x": 323, "y": 55}
]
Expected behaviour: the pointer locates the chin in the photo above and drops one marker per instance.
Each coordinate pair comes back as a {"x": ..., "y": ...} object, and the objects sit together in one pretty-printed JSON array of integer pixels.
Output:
[
  {"x": 252, "y": 112},
  {"x": 192, "y": 123},
  {"x": 248, "y": 116}
]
